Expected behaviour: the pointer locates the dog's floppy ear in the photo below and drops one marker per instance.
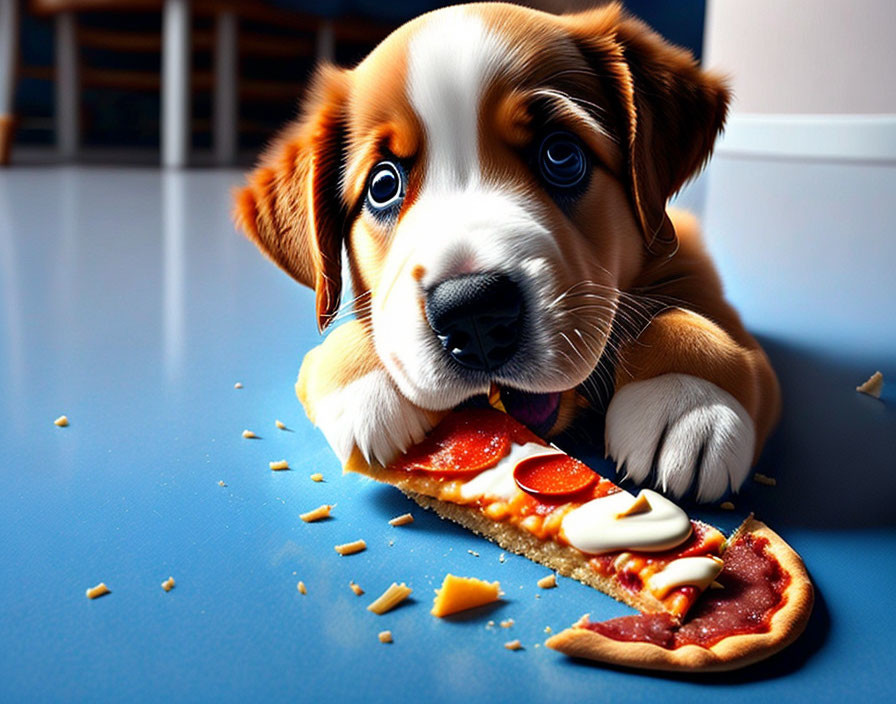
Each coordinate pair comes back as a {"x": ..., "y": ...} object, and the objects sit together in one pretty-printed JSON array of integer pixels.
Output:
[
  {"x": 292, "y": 207},
  {"x": 668, "y": 111}
]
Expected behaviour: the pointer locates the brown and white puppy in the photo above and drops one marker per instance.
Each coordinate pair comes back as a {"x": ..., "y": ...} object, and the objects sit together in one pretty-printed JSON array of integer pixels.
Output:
[{"x": 497, "y": 178}]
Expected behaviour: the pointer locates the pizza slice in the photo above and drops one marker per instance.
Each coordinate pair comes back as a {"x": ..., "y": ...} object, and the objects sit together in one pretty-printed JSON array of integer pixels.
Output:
[
  {"x": 761, "y": 604},
  {"x": 484, "y": 470}
]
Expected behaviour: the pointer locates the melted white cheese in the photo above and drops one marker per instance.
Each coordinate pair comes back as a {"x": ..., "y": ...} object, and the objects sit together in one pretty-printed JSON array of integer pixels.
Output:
[
  {"x": 692, "y": 571},
  {"x": 595, "y": 527},
  {"x": 498, "y": 481}
]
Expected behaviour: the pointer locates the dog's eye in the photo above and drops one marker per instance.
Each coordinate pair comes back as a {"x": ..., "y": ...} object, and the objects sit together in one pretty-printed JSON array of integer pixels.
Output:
[
  {"x": 562, "y": 160},
  {"x": 386, "y": 186}
]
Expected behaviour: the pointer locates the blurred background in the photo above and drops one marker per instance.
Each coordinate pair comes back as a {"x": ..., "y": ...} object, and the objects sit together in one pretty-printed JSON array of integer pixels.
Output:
[{"x": 118, "y": 80}]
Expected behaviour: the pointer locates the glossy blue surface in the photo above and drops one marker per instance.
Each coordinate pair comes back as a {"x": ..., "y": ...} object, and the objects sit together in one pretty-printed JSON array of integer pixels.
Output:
[{"x": 129, "y": 304}]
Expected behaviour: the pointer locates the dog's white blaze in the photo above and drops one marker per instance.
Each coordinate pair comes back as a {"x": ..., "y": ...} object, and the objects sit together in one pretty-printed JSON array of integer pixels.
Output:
[
  {"x": 461, "y": 223},
  {"x": 451, "y": 60}
]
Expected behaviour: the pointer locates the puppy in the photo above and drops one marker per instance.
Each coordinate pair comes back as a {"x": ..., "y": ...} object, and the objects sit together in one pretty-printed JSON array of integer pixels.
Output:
[{"x": 497, "y": 179}]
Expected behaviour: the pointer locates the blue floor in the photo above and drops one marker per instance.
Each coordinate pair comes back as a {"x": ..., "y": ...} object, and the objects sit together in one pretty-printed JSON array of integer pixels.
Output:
[{"x": 128, "y": 303}]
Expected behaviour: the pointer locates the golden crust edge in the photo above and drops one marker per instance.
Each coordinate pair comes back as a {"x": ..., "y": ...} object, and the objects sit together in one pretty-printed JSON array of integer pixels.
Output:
[{"x": 728, "y": 654}]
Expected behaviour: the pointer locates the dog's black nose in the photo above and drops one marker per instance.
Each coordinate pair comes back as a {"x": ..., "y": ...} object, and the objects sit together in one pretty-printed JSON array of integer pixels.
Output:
[{"x": 477, "y": 318}]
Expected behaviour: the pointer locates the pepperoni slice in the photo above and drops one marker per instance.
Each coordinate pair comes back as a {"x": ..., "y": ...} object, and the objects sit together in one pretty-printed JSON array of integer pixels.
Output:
[
  {"x": 470, "y": 440},
  {"x": 553, "y": 476}
]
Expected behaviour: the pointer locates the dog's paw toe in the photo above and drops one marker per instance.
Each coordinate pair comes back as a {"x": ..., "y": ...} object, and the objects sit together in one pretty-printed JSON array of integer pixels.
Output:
[
  {"x": 685, "y": 431},
  {"x": 370, "y": 413}
]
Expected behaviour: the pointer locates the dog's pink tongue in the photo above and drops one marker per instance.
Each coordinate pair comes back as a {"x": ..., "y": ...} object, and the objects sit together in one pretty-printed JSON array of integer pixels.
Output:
[{"x": 537, "y": 411}]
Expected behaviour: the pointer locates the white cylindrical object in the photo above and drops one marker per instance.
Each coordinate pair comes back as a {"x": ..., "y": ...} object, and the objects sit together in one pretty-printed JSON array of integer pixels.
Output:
[
  {"x": 226, "y": 106},
  {"x": 68, "y": 123},
  {"x": 9, "y": 36},
  {"x": 175, "y": 82}
]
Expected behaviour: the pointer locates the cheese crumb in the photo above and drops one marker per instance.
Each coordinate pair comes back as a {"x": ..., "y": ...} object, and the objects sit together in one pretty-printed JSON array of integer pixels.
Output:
[
  {"x": 350, "y": 548},
  {"x": 97, "y": 591},
  {"x": 221, "y": 482},
  {"x": 639, "y": 505},
  {"x": 548, "y": 629},
  {"x": 726, "y": 506},
  {"x": 389, "y": 599},
  {"x": 249, "y": 435},
  {"x": 237, "y": 385},
  {"x": 355, "y": 588},
  {"x": 301, "y": 587},
  {"x": 168, "y": 584},
  {"x": 763, "y": 479},
  {"x": 507, "y": 624},
  {"x": 513, "y": 645},
  {"x": 280, "y": 424},
  {"x": 385, "y": 636},
  {"x": 277, "y": 466},
  {"x": 317, "y": 514},
  {"x": 473, "y": 553},
  {"x": 462, "y": 593},
  {"x": 548, "y": 582},
  {"x": 317, "y": 477},
  {"x": 61, "y": 421},
  {"x": 401, "y": 520},
  {"x": 872, "y": 387}
]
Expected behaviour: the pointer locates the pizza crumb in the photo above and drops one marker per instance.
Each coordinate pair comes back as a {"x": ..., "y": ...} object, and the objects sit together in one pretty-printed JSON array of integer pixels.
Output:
[
  {"x": 301, "y": 587},
  {"x": 97, "y": 591},
  {"x": 473, "y": 553},
  {"x": 401, "y": 520},
  {"x": 221, "y": 482},
  {"x": 501, "y": 557},
  {"x": 490, "y": 624},
  {"x": 513, "y": 645},
  {"x": 317, "y": 477},
  {"x": 548, "y": 582},
  {"x": 389, "y": 599},
  {"x": 168, "y": 584},
  {"x": 872, "y": 387},
  {"x": 507, "y": 624},
  {"x": 727, "y": 506},
  {"x": 763, "y": 479},
  {"x": 392, "y": 542},
  {"x": 277, "y": 466},
  {"x": 548, "y": 629},
  {"x": 61, "y": 421},
  {"x": 237, "y": 385},
  {"x": 317, "y": 514},
  {"x": 280, "y": 424},
  {"x": 355, "y": 588},
  {"x": 385, "y": 636},
  {"x": 249, "y": 435},
  {"x": 462, "y": 593},
  {"x": 350, "y": 548}
]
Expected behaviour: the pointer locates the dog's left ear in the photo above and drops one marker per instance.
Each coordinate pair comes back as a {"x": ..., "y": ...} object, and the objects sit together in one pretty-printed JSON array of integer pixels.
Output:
[
  {"x": 668, "y": 110},
  {"x": 292, "y": 208}
]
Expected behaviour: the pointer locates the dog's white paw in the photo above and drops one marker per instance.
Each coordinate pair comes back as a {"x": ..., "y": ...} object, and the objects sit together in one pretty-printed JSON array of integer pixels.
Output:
[
  {"x": 694, "y": 434},
  {"x": 372, "y": 414}
]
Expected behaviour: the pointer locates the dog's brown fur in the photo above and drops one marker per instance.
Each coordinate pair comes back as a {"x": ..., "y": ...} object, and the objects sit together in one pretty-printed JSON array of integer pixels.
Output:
[{"x": 666, "y": 114}]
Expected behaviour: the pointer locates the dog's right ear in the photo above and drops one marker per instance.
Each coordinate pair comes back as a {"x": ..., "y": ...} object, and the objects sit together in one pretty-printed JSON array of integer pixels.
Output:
[{"x": 291, "y": 207}]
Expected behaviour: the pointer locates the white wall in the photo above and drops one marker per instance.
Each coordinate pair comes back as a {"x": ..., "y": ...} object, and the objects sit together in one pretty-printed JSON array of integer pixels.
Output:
[{"x": 805, "y": 56}]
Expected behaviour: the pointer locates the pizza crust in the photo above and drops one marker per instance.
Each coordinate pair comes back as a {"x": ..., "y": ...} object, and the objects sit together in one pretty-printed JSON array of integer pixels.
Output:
[
  {"x": 564, "y": 560},
  {"x": 729, "y": 653}
]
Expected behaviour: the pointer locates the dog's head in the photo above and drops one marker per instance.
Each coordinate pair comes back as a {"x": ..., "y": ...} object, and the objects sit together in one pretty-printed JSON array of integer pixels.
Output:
[{"x": 496, "y": 176}]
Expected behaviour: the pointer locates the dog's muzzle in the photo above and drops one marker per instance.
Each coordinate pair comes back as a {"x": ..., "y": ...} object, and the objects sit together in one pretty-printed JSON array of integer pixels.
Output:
[{"x": 477, "y": 318}]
